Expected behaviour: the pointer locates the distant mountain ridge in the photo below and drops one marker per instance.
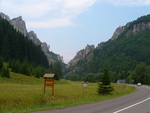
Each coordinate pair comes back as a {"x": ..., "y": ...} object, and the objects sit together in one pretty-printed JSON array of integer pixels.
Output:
[
  {"x": 20, "y": 26},
  {"x": 120, "y": 52}
]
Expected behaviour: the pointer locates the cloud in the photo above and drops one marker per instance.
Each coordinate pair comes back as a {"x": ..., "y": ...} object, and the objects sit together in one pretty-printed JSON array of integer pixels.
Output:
[
  {"x": 128, "y": 2},
  {"x": 48, "y": 13},
  {"x": 56, "y": 13},
  {"x": 51, "y": 23}
]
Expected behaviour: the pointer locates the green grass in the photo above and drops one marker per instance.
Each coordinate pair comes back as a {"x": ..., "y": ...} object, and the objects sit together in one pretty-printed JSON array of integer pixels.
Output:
[{"x": 22, "y": 94}]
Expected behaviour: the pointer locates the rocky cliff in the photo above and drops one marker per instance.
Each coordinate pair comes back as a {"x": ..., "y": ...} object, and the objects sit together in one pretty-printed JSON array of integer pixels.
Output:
[
  {"x": 82, "y": 54},
  {"x": 130, "y": 29},
  {"x": 20, "y": 26},
  {"x": 4, "y": 16},
  {"x": 117, "y": 32},
  {"x": 32, "y": 36},
  {"x": 92, "y": 59}
]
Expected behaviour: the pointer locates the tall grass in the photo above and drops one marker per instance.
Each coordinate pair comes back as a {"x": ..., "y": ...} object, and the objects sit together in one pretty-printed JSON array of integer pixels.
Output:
[{"x": 25, "y": 94}]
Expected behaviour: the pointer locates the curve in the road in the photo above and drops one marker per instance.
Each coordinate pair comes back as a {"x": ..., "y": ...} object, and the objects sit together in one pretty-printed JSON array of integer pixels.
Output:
[{"x": 117, "y": 105}]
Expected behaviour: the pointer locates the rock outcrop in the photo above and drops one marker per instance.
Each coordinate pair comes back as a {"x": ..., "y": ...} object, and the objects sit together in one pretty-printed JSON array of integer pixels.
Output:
[
  {"x": 117, "y": 32},
  {"x": 19, "y": 25},
  {"x": 32, "y": 36},
  {"x": 137, "y": 28},
  {"x": 79, "y": 63},
  {"x": 134, "y": 29},
  {"x": 82, "y": 54},
  {"x": 100, "y": 45},
  {"x": 2, "y": 15}
]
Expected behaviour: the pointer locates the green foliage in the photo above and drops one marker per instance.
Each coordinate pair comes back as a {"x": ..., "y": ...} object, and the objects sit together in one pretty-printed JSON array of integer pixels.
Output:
[
  {"x": 39, "y": 71},
  {"x": 14, "y": 46},
  {"x": 122, "y": 55},
  {"x": 91, "y": 77},
  {"x": 57, "y": 70},
  {"x": 1, "y": 64},
  {"x": 27, "y": 94},
  {"x": 73, "y": 77},
  {"x": 104, "y": 86},
  {"x": 28, "y": 69},
  {"x": 5, "y": 72},
  {"x": 141, "y": 74}
]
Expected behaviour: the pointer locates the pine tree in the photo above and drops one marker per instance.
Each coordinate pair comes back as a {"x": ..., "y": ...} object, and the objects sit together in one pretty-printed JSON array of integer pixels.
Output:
[
  {"x": 5, "y": 72},
  {"x": 1, "y": 64},
  {"x": 5, "y": 49},
  {"x": 57, "y": 69},
  {"x": 104, "y": 86}
]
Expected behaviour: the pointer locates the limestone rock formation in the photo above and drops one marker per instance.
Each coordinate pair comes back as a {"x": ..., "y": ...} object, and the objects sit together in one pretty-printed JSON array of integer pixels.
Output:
[
  {"x": 117, "y": 32},
  {"x": 138, "y": 27},
  {"x": 135, "y": 29},
  {"x": 19, "y": 25},
  {"x": 32, "y": 36},
  {"x": 81, "y": 55},
  {"x": 2, "y": 15}
]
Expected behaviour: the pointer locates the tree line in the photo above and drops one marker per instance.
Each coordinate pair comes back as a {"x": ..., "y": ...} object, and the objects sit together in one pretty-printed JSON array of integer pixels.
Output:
[
  {"x": 123, "y": 56},
  {"x": 21, "y": 55},
  {"x": 14, "y": 46},
  {"x": 140, "y": 74}
]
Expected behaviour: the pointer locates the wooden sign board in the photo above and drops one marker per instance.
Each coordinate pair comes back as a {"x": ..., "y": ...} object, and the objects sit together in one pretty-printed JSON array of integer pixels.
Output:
[{"x": 49, "y": 82}]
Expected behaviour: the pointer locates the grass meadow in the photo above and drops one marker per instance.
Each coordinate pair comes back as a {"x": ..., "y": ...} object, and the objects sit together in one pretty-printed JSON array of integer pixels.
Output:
[{"x": 24, "y": 94}]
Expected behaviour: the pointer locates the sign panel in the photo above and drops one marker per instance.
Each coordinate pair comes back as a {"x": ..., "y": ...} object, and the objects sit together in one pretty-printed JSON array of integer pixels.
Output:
[
  {"x": 49, "y": 83},
  {"x": 84, "y": 84}
]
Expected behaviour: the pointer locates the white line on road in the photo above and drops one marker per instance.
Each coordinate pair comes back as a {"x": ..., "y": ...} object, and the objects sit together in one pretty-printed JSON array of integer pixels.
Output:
[{"x": 132, "y": 105}]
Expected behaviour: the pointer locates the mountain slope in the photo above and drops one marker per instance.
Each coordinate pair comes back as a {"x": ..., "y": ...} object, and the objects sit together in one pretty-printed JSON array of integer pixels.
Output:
[
  {"x": 20, "y": 26},
  {"x": 14, "y": 46},
  {"x": 129, "y": 46}
]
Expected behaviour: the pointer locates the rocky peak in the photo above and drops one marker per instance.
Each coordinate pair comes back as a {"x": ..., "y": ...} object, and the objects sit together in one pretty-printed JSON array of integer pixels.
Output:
[
  {"x": 19, "y": 25},
  {"x": 89, "y": 48},
  {"x": 45, "y": 47},
  {"x": 100, "y": 45},
  {"x": 117, "y": 32},
  {"x": 2, "y": 15},
  {"x": 81, "y": 55},
  {"x": 130, "y": 29},
  {"x": 138, "y": 27},
  {"x": 32, "y": 36}
]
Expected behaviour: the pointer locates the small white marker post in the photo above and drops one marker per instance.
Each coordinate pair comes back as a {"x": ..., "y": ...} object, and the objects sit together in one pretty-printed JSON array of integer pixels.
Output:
[{"x": 85, "y": 86}]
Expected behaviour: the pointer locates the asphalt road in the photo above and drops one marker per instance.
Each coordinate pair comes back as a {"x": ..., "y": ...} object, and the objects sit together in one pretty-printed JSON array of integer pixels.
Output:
[{"x": 137, "y": 102}]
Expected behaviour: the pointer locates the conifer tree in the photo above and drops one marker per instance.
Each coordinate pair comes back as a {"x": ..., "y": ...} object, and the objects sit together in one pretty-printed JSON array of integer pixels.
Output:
[
  {"x": 104, "y": 86},
  {"x": 5, "y": 72},
  {"x": 5, "y": 49},
  {"x": 57, "y": 69},
  {"x": 1, "y": 64}
]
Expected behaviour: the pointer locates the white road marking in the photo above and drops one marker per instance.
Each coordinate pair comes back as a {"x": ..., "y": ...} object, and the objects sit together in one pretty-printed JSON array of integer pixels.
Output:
[{"x": 132, "y": 105}]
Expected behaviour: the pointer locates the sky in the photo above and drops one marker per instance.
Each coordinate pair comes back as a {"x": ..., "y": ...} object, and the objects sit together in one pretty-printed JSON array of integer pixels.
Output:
[{"x": 69, "y": 25}]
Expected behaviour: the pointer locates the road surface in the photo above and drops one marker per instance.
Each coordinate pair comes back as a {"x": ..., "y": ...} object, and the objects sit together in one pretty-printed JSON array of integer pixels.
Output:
[{"x": 137, "y": 102}]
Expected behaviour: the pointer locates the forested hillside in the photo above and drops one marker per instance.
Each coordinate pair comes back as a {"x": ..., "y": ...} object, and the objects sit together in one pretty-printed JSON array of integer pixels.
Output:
[
  {"x": 20, "y": 52},
  {"x": 122, "y": 55},
  {"x": 14, "y": 46}
]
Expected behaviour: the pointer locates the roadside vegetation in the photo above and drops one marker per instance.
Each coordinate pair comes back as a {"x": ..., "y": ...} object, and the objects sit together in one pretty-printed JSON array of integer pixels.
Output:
[{"x": 21, "y": 93}]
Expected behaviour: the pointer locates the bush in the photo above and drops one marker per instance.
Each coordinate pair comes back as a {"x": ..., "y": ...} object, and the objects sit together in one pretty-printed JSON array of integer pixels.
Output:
[{"x": 5, "y": 72}]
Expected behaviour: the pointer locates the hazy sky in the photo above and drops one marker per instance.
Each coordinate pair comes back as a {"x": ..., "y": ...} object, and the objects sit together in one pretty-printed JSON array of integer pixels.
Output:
[{"x": 69, "y": 25}]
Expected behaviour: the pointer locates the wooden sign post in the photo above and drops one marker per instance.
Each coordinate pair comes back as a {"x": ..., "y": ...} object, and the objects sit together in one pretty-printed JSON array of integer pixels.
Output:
[{"x": 49, "y": 82}]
